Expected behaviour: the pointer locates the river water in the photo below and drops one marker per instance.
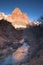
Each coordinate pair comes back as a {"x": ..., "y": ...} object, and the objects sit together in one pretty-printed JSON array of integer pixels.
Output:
[{"x": 16, "y": 57}]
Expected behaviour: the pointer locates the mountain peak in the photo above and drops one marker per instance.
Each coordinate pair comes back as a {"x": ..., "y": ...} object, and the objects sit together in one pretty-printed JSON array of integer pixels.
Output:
[
  {"x": 17, "y": 11},
  {"x": 17, "y": 18}
]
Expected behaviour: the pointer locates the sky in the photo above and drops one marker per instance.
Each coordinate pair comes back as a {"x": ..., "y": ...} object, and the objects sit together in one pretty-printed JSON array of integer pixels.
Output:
[{"x": 33, "y": 8}]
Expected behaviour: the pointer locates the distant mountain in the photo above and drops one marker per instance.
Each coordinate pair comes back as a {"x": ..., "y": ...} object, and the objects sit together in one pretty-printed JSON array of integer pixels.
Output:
[{"x": 17, "y": 18}]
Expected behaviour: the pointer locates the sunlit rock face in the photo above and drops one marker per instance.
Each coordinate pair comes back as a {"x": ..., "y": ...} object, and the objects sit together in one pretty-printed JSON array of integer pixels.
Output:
[
  {"x": 18, "y": 19},
  {"x": 1, "y": 16}
]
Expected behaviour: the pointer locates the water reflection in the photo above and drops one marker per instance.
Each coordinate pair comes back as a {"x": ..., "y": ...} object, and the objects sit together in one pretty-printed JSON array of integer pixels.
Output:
[{"x": 18, "y": 56}]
